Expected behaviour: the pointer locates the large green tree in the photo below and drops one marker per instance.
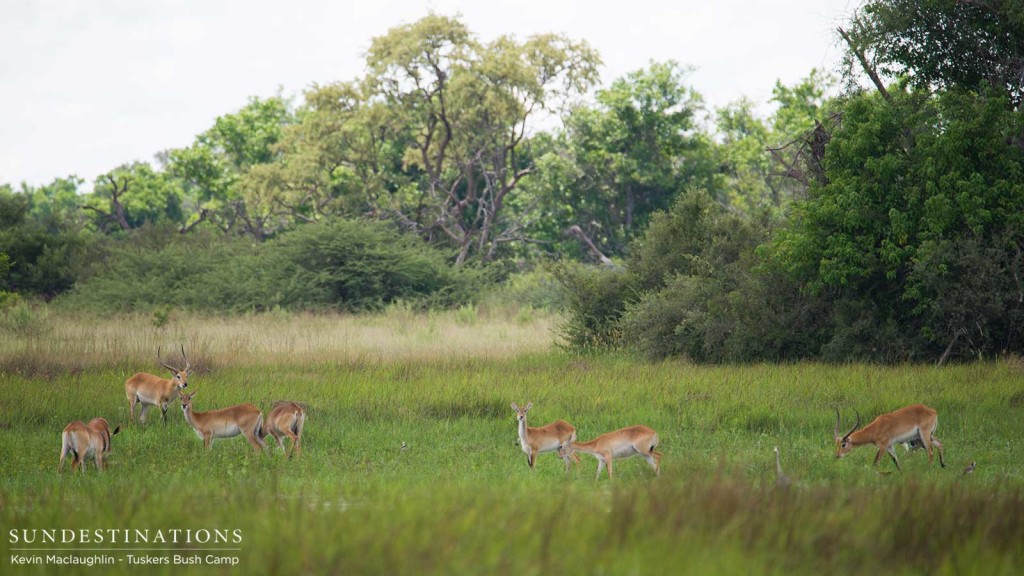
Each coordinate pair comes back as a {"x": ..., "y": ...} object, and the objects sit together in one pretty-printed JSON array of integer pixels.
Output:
[
  {"x": 216, "y": 170},
  {"x": 41, "y": 257},
  {"x": 939, "y": 44},
  {"x": 630, "y": 154},
  {"x": 435, "y": 135},
  {"x": 129, "y": 196},
  {"x": 918, "y": 231}
]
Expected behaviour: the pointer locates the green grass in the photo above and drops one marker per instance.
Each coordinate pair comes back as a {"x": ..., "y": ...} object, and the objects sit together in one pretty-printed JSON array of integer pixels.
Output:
[{"x": 461, "y": 500}]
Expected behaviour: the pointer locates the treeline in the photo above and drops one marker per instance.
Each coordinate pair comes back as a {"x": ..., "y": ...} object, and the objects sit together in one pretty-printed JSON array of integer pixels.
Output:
[{"x": 883, "y": 223}]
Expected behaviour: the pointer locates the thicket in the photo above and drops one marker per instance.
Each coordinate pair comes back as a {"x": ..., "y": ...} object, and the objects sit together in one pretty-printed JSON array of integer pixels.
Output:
[
  {"x": 691, "y": 287},
  {"x": 346, "y": 265},
  {"x": 907, "y": 249}
]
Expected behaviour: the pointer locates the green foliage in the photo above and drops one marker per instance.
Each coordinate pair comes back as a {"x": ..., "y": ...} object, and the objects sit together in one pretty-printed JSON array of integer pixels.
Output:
[
  {"x": 361, "y": 265},
  {"x": 691, "y": 288},
  {"x": 20, "y": 318},
  {"x": 132, "y": 195},
  {"x": 342, "y": 265},
  {"x": 537, "y": 289},
  {"x": 595, "y": 300},
  {"x": 435, "y": 136},
  {"x": 42, "y": 258},
  {"x": 754, "y": 181},
  {"x": 215, "y": 170},
  {"x": 621, "y": 160},
  {"x": 946, "y": 43},
  {"x": 918, "y": 232}
]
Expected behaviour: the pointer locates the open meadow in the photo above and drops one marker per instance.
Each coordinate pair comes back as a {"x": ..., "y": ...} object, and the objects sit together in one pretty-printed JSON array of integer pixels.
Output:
[{"x": 459, "y": 498}]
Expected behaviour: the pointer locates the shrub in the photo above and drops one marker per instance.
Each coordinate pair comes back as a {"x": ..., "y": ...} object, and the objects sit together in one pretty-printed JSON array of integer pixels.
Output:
[
  {"x": 341, "y": 265},
  {"x": 596, "y": 299}
]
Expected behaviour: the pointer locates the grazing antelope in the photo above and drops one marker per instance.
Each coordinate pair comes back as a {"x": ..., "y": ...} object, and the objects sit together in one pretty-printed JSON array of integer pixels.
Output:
[
  {"x": 82, "y": 441},
  {"x": 150, "y": 390},
  {"x": 631, "y": 441},
  {"x": 912, "y": 425},
  {"x": 286, "y": 419},
  {"x": 225, "y": 423},
  {"x": 543, "y": 439}
]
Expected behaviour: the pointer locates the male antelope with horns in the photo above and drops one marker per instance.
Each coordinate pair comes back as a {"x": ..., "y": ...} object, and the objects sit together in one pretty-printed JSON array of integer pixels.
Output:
[
  {"x": 150, "y": 390},
  {"x": 913, "y": 424}
]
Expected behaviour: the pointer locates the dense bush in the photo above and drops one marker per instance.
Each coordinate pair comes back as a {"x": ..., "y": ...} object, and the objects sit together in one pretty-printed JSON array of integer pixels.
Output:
[
  {"x": 42, "y": 257},
  {"x": 595, "y": 300},
  {"x": 691, "y": 288},
  {"x": 917, "y": 231},
  {"x": 342, "y": 265}
]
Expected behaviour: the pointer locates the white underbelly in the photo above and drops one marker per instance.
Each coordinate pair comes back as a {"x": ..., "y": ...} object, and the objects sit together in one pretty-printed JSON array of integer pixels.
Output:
[
  {"x": 226, "y": 431},
  {"x": 907, "y": 436}
]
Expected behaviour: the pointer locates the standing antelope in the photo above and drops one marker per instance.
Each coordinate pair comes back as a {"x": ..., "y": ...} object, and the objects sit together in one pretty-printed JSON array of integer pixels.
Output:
[
  {"x": 543, "y": 439},
  {"x": 631, "y": 441},
  {"x": 150, "y": 390},
  {"x": 82, "y": 441},
  {"x": 224, "y": 423},
  {"x": 913, "y": 424},
  {"x": 287, "y": 419}
]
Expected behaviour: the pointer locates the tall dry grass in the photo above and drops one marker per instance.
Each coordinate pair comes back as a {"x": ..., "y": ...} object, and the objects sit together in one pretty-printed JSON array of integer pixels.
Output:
[{"x": 67, "y": 343}]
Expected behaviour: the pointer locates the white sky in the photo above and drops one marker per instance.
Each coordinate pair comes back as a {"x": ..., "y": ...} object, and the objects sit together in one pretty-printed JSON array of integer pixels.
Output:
[{"x": 87, "y": 85}]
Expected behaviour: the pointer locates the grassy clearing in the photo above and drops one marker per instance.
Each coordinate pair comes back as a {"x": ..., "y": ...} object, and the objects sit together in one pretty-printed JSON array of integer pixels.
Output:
[{"x": 461, "y": 499}]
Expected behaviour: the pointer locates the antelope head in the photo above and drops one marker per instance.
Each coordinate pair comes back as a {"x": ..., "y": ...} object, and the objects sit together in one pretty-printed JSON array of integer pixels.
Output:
[
  {"x": 180, "y": 376},
  {"x": 843, "y": 444}
]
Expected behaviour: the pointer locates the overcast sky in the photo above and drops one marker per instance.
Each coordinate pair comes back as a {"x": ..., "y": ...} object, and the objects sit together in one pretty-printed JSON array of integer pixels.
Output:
[{"x": 87, "y": 85}]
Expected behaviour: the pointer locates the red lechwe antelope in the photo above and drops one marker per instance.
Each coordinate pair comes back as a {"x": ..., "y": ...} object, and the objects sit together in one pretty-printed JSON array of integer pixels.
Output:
[
  {"x": 286, "y": 419},
  {"x": 543, "y": 439},
  {"x": 224, "y": 423},
  {"x": 631, "y": 441},
  {"x": 150, "y": 390},
  {"x": 82, "y": 441},
  {"x": 912, "y": 425}
]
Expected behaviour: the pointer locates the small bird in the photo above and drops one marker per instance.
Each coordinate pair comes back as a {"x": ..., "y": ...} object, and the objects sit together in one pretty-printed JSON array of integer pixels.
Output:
[
  {"x": 781, "y": 480},
  {"x": 404, "y": 446},
  {"x": 969, "y": 468}
]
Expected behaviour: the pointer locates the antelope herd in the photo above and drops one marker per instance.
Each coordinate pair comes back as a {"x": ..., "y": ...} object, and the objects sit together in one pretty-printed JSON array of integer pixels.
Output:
[{"x": 913, "y": 426}]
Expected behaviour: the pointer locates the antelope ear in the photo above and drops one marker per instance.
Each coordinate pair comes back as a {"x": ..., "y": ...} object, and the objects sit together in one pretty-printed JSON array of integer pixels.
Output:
[
  {"x": 514, "y": 407},
  {"x": 529, "y": 405}
]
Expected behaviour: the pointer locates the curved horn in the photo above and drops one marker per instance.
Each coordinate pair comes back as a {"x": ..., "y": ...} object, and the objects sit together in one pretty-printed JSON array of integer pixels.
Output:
[
  {"x": 855, "y": 426},
  {"x": 164, "y": 364},
  {"x": 835, "y": 432},
  {"x": 187, "y": 363}
]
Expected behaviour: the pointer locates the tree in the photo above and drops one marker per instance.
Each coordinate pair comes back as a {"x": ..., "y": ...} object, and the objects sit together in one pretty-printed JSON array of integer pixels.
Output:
[
  {"x": 436, "y": 132},
  {"x": 56, "y": 204},
  {"x": 939, "y": 44},
  {"x": 921, "y": 202},
  {"x": 215, "y": 169},
  {"x": 632, "y": 153},
  {"x": 130, "y": 195},
  {"x": 758, "y": 156},
  {"x": 38, "y": 258}
]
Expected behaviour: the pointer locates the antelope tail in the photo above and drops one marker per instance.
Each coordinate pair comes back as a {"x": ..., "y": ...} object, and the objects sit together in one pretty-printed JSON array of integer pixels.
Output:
[
  {"x": 300, "y": 421},
  {"x": 65, "y": 449}
]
